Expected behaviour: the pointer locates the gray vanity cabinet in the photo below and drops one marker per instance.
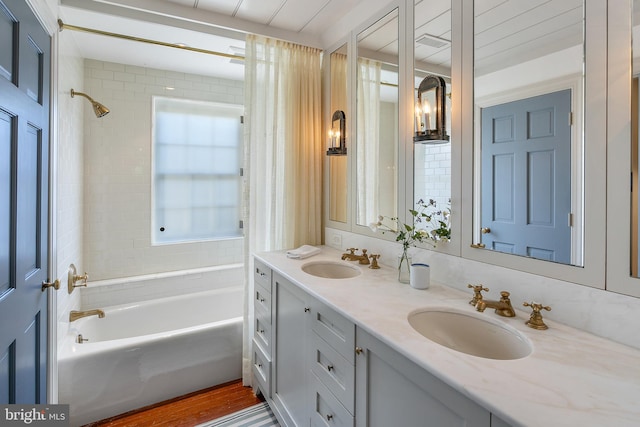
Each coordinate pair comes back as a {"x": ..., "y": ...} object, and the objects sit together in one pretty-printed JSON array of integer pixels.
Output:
[
  {"x": 291, "y": 318},
  {"x": 262, "y": 331},
  {"x": 317, "y": 368},
  {"x": 391, "y": 390}
]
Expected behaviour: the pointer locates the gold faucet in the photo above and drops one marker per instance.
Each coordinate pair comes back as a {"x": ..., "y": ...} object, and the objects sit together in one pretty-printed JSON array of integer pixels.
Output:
[
  {"x": 535, "y": 320},
  {"x": 75, "y": 315},
  {"x": 351, "y": 256},
  {"x": 477, "y": 293},
  {"x": 503, "y": 307}
]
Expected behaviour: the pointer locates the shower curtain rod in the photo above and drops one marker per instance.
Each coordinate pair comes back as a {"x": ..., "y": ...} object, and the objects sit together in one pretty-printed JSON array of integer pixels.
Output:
[{"x": 64, "y": 26}]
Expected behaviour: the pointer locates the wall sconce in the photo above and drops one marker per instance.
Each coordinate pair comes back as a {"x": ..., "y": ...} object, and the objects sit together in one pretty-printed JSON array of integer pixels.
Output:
[
  {"x": 431, "y": 119},
  {"x": 337, "y": 138},
  {"x": 99, "y": 109}
]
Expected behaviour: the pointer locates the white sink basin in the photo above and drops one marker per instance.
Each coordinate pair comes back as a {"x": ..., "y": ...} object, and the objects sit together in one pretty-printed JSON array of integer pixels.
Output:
[
  {"x": 470, "y": 334},
  {"x": 331, "y": 269}
]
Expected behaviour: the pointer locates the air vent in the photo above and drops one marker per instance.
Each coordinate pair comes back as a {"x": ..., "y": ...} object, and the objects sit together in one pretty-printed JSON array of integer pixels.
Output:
[{"x": 433, "y": 41}]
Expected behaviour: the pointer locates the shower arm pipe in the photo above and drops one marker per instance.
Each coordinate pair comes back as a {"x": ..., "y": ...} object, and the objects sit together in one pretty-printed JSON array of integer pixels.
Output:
[{"x": 64, "y": 26}]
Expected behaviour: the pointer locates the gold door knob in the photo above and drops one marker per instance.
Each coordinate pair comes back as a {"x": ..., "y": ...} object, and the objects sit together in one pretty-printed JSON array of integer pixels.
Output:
[
  {"x": 55, "y": 285},
  {"x": 485, "y": 230}
]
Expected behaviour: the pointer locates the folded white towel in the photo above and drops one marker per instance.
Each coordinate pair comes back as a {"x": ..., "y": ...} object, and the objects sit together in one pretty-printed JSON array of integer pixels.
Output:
[{"x": 304, "y": 251}]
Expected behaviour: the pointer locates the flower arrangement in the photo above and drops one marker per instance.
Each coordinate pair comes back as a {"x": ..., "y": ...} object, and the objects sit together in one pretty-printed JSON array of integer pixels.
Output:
[{"x": 429, "y": 225}]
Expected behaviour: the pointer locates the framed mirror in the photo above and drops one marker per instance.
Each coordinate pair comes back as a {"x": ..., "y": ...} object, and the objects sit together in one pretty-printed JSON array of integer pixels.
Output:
[
  {"x": 432, "y": 157},
  {"x": 376, "y": 189},
  {"x": 528, "y": 96},
  {"x": 623, "y": 152},
  {"x": 532, "y": 75},
  {"x": 338, "y": 178}
]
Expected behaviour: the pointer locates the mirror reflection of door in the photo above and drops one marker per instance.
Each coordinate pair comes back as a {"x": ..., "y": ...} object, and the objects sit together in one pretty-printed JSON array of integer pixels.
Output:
[
  {"x": 526, "y": 177},
  {"x": 338, "y": 164},
  {"x": 524, "y": 49}
]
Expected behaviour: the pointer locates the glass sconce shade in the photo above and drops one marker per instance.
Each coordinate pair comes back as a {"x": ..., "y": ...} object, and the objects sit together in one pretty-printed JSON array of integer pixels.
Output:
[
  {"x": 337, "y": 137},
  {"x": 431, "y": 120}
]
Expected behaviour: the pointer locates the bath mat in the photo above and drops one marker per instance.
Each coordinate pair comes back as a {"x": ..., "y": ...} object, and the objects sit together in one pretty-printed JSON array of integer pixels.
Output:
[{"x": 259, "y": 415}]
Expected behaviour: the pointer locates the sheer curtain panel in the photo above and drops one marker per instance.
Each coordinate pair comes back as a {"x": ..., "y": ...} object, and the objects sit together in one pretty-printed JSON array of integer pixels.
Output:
[{"x": 282, "y": 191}]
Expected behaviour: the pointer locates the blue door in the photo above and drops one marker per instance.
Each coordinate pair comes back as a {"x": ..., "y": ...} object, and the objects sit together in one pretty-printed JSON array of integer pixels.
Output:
[
  {"x": 24, "y": 180},
  {"x": 526, "y": 177}
]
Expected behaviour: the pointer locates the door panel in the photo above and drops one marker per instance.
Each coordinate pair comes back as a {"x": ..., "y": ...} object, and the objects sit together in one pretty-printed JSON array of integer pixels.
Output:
[
  {"x": 24, "y": 175},
  {"x": 526, "y": 177}
]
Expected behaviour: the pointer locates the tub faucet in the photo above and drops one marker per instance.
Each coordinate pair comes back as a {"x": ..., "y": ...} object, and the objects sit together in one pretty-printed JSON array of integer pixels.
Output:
[
  {"x": 75, "y": 315},
  {"x": 503, "y": 307}
]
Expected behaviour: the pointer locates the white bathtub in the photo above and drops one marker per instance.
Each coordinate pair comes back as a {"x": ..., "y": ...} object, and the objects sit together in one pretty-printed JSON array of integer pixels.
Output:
[{"x": 146, "y": 352}]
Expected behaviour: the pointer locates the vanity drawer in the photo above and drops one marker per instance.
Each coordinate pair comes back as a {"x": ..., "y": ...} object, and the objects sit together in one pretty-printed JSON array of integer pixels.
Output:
[
  {"x": 335, "y": 329},
  {"x": 334, "y": 371},
  {"x": 262, "y": 333},
  {"x": 326, "y": 411},
  {"x": 262, "y": 274},
  {"x": 261, "y": 369},
  {"x": 262, "y": 301}
]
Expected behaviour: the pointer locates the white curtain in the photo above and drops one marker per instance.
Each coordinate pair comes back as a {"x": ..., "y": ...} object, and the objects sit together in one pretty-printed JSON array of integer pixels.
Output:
[
  {"x": 282, "y": 190},
  {"x": 368, "y": 140}
]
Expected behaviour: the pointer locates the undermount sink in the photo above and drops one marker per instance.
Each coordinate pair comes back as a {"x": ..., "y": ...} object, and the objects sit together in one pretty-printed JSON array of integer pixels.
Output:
[
  {"x": 331, "y": 270},
  {"x": 470, "y": 334}
]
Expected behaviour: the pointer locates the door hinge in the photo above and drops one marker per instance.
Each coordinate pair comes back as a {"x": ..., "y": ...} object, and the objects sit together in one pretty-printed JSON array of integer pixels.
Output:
[
  {"x": 241, "y": 224},
  {"x": 570, "y": 218},
  {"x": 241, "y": 171},
  {"x": 241, "y": 120},
  {"x": 570, "y": 118}
]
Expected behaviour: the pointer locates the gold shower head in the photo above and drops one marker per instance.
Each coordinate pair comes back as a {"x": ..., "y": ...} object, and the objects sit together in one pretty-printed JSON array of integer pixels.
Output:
[{"x": 99, "y": 109}]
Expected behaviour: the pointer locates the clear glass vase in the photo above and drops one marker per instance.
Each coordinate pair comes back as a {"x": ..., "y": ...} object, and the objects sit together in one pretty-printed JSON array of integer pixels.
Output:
[{"x": 404, "y": 265}]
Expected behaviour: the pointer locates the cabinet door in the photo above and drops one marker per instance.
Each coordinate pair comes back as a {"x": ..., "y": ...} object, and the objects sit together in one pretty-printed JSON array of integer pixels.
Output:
[
  {"x": 289, "y": 358},
  {"x": 393, "y": 391}
]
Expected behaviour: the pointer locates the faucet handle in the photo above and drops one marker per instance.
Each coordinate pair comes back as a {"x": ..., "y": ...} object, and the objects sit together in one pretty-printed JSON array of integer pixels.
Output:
[
  {"x": 374, "y": 261},
  {"x": 477, "y": 293},
  {"x": 364, "y": 260},
  {"x": 535, "y": 320}
]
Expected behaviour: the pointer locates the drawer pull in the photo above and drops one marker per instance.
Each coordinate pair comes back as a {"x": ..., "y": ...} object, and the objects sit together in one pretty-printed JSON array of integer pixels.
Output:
[
  {"x": 329, "y": 417},
  {"x": 330, "y": 368},
  {"x": 306, "y": 309},
  {"x": 262, "y": 331},
  {"x": 259, "y": 365},
  {"x": 358, "y": 350},
  {"x": 261, "y": 299}
]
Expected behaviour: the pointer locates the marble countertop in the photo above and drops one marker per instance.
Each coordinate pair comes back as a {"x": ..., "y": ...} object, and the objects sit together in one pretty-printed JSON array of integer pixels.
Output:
[{"x": 571, "y": 378}]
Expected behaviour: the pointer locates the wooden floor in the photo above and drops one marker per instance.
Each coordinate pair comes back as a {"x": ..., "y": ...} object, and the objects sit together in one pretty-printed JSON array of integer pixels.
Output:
[{"x": 190, "y": 410}]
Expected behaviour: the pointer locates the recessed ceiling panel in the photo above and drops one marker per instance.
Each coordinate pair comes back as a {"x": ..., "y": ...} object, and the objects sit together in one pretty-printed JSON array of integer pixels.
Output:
[{"x": 225, "y": 7}]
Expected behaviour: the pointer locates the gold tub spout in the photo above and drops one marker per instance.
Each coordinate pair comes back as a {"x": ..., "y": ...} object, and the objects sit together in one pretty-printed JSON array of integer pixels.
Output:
[
  {"x": 75, "y": 315},
  {"x": 503, "y": 307}
]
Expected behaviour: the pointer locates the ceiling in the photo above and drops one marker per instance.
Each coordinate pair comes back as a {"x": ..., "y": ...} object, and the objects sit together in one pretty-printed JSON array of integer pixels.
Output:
[
  {"x": 506, "y": 31},
  {"x": 214, "y": 25}
]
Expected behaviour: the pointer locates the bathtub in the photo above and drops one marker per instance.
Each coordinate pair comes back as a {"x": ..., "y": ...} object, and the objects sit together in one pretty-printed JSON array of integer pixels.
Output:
[{"x": 146, "y": 352}]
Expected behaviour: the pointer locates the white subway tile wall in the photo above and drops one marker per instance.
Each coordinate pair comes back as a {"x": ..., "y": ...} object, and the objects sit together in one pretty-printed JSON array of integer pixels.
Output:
[
  {"x": 70, "y": 176},
  {"x": 117, "y": 171}
]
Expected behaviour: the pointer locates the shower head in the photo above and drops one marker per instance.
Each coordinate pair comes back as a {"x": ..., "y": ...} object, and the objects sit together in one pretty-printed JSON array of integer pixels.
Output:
[{"x": 99, "y": 109}]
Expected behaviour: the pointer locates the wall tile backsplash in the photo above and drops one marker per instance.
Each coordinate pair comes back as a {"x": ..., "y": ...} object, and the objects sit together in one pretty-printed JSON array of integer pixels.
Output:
[
  {"x": 599, "y": 312},
  {"x": 117, "y": 159}
]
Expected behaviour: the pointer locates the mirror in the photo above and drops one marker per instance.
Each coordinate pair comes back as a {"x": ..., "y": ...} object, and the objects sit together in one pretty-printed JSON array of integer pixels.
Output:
[
  {"x": 338, "y": 163},
  {"x": 528, "y": 135},
  {"x": 377, "y": 121},
  {"x": 432, "y": 57}
]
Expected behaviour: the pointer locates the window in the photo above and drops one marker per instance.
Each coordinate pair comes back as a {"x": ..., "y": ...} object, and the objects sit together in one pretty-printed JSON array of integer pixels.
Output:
[{"x": 197, "y": 154}]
